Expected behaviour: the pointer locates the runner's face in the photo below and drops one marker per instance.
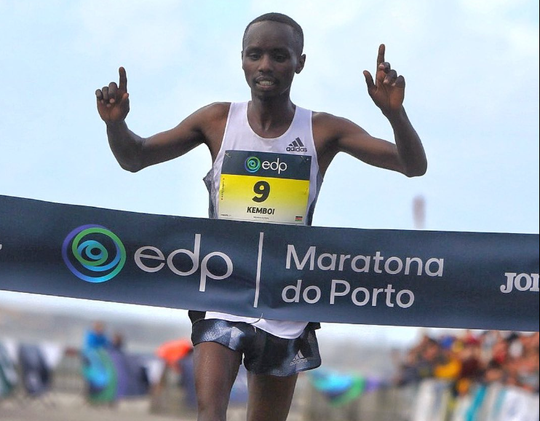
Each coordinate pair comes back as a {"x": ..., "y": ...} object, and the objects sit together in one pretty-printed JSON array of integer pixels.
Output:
[{"x": 270, "y": 59}]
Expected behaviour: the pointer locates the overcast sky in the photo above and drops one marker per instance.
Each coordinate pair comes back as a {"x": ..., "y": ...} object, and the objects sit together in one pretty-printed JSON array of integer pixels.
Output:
[{"x": 471, "y": 68}]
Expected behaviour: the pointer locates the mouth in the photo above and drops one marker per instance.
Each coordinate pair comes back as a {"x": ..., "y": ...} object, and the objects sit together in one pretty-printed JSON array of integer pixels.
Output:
[{"x": 265, "y": 82}]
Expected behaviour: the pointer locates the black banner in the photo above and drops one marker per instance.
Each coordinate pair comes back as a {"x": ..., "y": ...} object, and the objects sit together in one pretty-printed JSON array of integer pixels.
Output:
[{"x": 382, "y": 277}]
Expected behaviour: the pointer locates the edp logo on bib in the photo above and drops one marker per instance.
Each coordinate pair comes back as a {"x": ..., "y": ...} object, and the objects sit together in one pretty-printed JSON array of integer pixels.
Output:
[{"x": 254, "y": 164}]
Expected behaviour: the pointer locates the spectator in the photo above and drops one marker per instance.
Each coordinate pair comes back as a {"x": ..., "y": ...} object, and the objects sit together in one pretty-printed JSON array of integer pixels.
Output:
[
  {"x": 118, "y": 341},
  {"x": 511, "y": 359},
  {"x": 95, "y": 337},
  {"x": 97, "y": 367}
]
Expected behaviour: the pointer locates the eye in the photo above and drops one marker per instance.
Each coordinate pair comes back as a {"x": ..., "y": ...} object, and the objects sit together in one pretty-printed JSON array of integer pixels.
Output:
[
  {"x": 253, "y": 55},
  {"x": 280, "y": 56}
]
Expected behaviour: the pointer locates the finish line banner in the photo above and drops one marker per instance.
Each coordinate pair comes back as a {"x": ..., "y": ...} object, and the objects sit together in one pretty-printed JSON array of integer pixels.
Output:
[{"x": 341, "y": 275}]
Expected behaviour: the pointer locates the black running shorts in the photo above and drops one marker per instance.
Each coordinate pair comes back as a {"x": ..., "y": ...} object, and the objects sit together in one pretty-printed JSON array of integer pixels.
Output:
[{"x": 263, "y": 352}]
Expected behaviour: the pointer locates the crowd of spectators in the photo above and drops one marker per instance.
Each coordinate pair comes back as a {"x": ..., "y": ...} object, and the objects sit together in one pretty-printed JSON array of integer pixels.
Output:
[{"x": 468, "y": 358}]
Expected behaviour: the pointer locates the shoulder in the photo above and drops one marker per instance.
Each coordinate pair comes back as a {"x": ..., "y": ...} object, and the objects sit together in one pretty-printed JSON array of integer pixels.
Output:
[
  {"x": 332, "y": 134},
  {"x": 209, "y": 123},
  {"x": 216, "y": 111},
  {"x": 322, "y": 119},
  {"x": 328, "y": 127},
  {"x": 207, "y": 120}
]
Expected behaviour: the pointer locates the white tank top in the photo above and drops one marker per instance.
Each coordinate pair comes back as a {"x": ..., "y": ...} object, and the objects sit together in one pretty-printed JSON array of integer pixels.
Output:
[{"x": 272, "y": 180}]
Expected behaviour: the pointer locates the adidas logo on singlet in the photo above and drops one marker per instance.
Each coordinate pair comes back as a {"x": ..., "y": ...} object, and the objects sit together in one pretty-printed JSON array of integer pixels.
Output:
[
  {"x": 296, "y": 146},
  {"x": 299, "y": 359}
]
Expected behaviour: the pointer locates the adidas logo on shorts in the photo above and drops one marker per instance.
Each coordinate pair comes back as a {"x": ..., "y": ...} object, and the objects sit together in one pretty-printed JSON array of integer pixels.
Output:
[
  {"x": 296, "y": 146},
  {"x": 299, "y": 358}
]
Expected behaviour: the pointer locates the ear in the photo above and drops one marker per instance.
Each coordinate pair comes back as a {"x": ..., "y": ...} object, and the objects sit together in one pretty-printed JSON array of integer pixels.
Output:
[{"x": 301, "y": 63}]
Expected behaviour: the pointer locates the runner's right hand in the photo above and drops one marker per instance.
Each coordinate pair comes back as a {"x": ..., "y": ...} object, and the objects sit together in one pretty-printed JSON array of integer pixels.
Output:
[{"x": 113, "y": 100}]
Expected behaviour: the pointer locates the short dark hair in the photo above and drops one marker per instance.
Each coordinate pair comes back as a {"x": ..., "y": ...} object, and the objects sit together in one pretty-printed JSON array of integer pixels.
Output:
[{"x": 280, "y": 18}]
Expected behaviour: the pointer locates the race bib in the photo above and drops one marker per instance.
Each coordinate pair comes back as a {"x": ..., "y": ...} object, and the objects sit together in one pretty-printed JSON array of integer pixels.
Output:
[{"x": 264, "y": 187}]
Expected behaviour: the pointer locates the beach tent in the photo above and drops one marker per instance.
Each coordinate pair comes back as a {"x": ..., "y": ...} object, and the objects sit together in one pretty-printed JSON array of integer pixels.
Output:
[
  {"x": 8, "y": 373},
  {"x": 36, "y": 377}
]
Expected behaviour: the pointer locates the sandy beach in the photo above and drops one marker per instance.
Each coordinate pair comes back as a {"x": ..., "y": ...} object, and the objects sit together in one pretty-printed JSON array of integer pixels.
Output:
[{"x": 72, "y": 407}]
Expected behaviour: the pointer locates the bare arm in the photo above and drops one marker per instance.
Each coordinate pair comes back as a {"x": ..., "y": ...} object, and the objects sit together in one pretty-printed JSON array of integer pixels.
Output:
[
  {"x": 134, "y": 152},
  {"x": 406, "y": 155},
  {"x": 388, "y": 93}
]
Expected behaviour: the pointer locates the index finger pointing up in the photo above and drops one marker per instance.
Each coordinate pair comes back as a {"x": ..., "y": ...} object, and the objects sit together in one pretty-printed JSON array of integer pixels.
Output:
[
  {"x": 380, "y": 55},
  {"x": 123, "y": 79}
]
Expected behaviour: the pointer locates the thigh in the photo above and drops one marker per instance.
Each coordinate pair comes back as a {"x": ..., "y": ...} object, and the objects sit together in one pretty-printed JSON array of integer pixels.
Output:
[
  {"x": 270, "y": 397},
  {"x": 216, "y": 367}
]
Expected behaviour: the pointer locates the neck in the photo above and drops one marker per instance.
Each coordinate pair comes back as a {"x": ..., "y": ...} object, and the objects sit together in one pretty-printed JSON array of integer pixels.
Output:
[{"x": 270, "y": 117}]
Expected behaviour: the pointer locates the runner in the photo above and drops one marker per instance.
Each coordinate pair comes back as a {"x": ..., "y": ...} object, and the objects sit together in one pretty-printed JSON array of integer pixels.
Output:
[{"x": 269, "y": 159}]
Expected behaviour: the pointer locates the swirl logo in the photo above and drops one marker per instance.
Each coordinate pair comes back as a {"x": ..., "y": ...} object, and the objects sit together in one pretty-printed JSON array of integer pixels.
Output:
[
  {"x": 93, "y": 253},
  {"x": 252, "y": 164}
]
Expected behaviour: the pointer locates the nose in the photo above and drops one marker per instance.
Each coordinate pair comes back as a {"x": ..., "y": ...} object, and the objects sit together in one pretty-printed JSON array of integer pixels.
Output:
[{"x": 265, "y": 64}]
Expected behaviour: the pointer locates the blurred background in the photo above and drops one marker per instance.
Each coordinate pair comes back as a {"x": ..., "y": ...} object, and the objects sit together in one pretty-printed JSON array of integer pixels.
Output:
[
  {"x": 471, "y": 68},
  {"x": 72, "y": 362}
]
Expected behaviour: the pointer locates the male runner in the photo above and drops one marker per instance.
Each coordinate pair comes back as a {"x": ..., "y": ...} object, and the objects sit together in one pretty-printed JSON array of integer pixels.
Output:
[{"x": 239, "y": 136}]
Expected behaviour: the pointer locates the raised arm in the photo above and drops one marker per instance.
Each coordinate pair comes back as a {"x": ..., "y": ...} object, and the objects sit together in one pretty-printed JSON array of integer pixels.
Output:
[
  {"x": 388, "y": 93},
  {"x": 134, "y": 152},
  {"x": 406, "y": 155}
]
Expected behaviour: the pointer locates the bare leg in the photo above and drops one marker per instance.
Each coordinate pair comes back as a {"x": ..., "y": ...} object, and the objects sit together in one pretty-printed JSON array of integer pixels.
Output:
[
  {"x": 270, "y": 397},
  {"x": 216, "y": 367}
]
